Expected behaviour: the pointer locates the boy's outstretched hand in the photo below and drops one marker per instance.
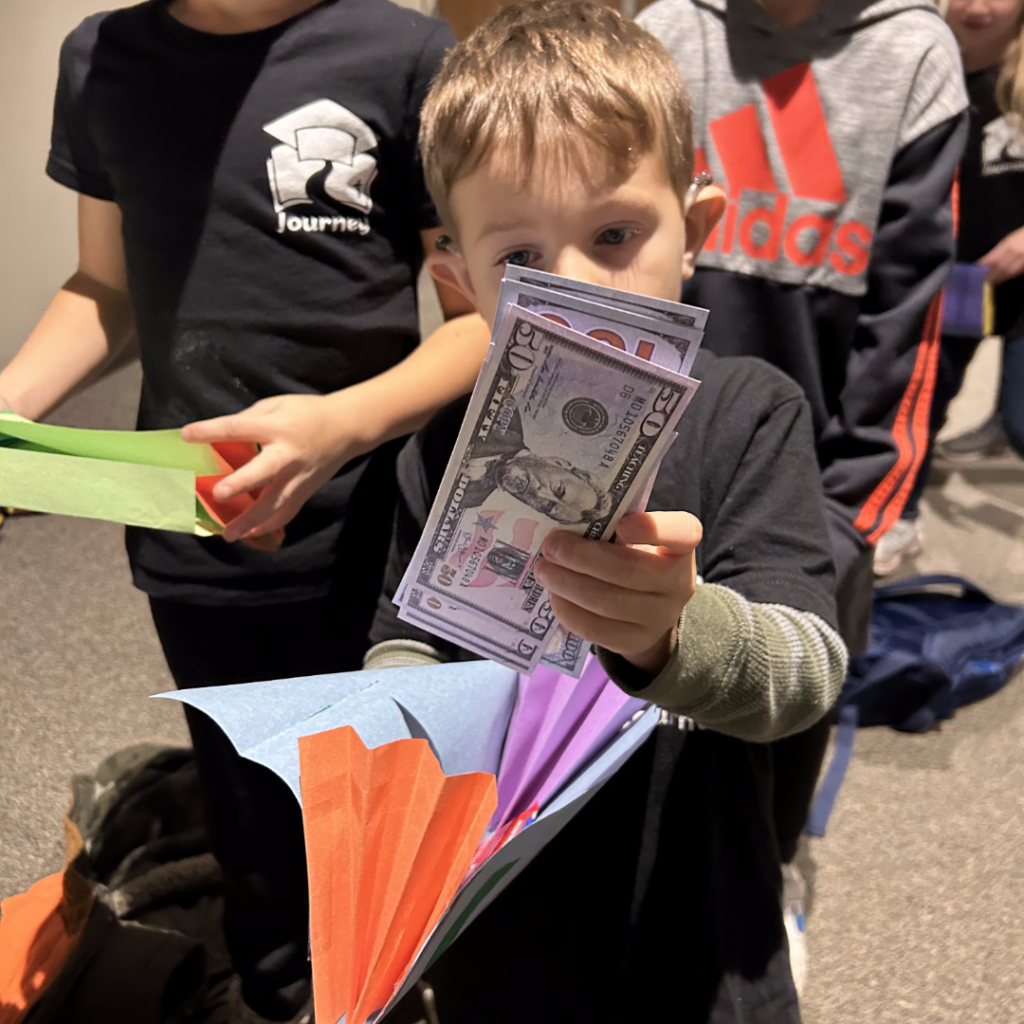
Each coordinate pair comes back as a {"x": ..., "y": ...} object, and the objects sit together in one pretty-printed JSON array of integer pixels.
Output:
[{"x": 625, "y": 596}]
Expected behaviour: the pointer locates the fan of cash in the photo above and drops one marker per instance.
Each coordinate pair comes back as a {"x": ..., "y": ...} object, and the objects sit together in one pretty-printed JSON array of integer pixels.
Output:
[{"x": 575, "y": 406}]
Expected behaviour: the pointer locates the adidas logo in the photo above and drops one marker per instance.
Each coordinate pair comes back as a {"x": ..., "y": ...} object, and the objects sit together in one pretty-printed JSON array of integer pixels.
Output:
[{"x": 789, "y": 227}]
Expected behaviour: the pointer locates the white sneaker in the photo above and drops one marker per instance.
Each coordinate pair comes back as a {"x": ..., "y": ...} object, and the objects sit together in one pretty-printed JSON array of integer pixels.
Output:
[
  {"x": 903, "y": 540},
  {"x": 794, "y": 890}
]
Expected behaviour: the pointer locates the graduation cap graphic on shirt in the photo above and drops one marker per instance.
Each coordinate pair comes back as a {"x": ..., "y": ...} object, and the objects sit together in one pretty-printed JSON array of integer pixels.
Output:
[{"x": 314, "y": 136}]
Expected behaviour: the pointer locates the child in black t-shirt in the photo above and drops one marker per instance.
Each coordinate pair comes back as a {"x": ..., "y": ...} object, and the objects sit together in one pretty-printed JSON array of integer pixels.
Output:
[
  {"x": 557, "y": 136},
  {"x": 252, "y": 216},
  {"x": 991, "y": 228}
]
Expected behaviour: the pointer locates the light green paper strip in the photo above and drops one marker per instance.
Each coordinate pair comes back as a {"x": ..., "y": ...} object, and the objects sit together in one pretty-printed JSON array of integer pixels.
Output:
[
  {"x": 141, "y": 447},
  {"x": 153, "y": 496}
]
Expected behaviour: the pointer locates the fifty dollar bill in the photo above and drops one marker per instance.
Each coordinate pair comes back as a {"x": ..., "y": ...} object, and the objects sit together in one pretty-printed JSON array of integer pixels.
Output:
[
  {"x": 561, "y": 432},
  {"x": 666, "y": 333}
]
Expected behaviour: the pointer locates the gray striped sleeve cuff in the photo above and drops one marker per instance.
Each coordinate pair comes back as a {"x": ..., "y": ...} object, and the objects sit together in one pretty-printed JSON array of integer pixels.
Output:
[
  {"x": 754, "y": 671},
  {"x": 401, "y": 654}
]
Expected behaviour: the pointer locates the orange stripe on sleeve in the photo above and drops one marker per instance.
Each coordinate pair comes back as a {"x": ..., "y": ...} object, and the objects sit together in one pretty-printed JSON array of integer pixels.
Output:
[{"x": 955, "y": 199}]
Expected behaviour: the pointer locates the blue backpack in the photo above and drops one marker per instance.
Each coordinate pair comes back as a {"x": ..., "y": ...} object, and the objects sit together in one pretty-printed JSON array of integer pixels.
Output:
[{"x": 936, "y": 642}]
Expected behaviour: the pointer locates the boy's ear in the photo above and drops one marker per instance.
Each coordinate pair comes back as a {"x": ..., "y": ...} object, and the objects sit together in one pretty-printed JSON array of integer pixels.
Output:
[
  {"x": 449, "y": 268},
  {"x": 703, "y": 213}
]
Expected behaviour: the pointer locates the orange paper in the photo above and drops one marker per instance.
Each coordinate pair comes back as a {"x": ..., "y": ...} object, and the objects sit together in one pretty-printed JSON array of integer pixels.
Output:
[
  {"x": 388, "y": 840},
  {"x": 34, "y": 943}
]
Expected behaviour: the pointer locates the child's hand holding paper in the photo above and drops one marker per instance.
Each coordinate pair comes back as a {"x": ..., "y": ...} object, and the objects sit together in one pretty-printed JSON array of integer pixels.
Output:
[
  {"x": 146, "y": 478},
  {"x": 1005, "y": 260},
  {"x": 303, "y": 441}
]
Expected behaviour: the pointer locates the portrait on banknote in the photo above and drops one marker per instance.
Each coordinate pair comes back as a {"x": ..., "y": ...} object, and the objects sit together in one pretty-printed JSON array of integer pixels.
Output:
[{"x": 548, "y": 484}]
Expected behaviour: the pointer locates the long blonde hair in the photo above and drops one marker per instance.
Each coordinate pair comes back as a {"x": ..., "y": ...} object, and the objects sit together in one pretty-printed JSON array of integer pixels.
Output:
[{"x": 1010, "y": 85}]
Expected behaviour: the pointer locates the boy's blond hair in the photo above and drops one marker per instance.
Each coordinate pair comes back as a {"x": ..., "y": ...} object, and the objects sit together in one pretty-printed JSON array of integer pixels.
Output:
[{"x": 559, "y": 77}]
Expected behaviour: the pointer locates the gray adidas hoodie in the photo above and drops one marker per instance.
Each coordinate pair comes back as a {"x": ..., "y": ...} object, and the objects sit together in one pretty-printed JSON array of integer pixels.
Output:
[
  {"x": 836, "y": 142},
  {"x": 833, "y": 100}
]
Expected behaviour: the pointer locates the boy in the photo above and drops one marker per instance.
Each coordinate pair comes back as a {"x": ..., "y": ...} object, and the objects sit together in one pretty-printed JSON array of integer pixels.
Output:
[
  {"x": 836, "y": 130},
  {"x": 557, "y": 136}
]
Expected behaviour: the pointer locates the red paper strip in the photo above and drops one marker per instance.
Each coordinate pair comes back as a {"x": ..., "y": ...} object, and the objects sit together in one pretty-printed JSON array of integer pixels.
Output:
[{"x": 232, "y": 455}]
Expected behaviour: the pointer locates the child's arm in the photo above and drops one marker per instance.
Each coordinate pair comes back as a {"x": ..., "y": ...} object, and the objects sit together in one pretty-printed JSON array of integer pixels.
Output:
[
  {"x": 88, "y": 328},
  {"x": 306, "y": 439},
  {"x": 1005, "y": 260},
  {"x": 755, "y": 671}
]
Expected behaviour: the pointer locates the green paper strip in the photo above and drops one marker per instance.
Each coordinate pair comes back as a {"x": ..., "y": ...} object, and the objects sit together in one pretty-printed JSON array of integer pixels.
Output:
[
  {"x": 121, "y": 492},
  {"x": 206, "y": 525},
  {"x": 140, "y": 447}
]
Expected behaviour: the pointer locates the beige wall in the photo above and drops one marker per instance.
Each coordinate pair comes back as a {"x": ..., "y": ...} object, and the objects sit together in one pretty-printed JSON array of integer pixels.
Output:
[
  {"x": 37, "y": 237},
  {"x": 37, "y": 216}
]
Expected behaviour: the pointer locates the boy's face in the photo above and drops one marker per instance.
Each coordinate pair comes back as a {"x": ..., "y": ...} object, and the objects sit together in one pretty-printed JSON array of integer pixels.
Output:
[{"x": 630, "y": 234}]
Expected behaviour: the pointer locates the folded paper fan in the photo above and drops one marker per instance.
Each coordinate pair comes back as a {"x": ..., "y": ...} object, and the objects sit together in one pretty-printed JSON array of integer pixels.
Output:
[
  {"x": 552, "y": 741},
  {"x": 141, "y": 478},
  {"x": 389, "y": 838}
]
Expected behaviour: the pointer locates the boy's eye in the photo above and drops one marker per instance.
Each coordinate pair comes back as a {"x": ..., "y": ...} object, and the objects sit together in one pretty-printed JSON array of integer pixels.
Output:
[
  {"x": 518, "y": 258},
  {"x": 615, "y": 236}
]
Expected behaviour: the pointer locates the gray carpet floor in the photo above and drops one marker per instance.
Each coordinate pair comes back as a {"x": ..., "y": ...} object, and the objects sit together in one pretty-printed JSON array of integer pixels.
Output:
[{"x": 917, "y": 890}]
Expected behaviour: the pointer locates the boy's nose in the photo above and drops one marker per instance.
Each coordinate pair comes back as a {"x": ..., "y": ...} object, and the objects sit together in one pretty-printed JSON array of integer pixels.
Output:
[{"x": 577, "y": 265}]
